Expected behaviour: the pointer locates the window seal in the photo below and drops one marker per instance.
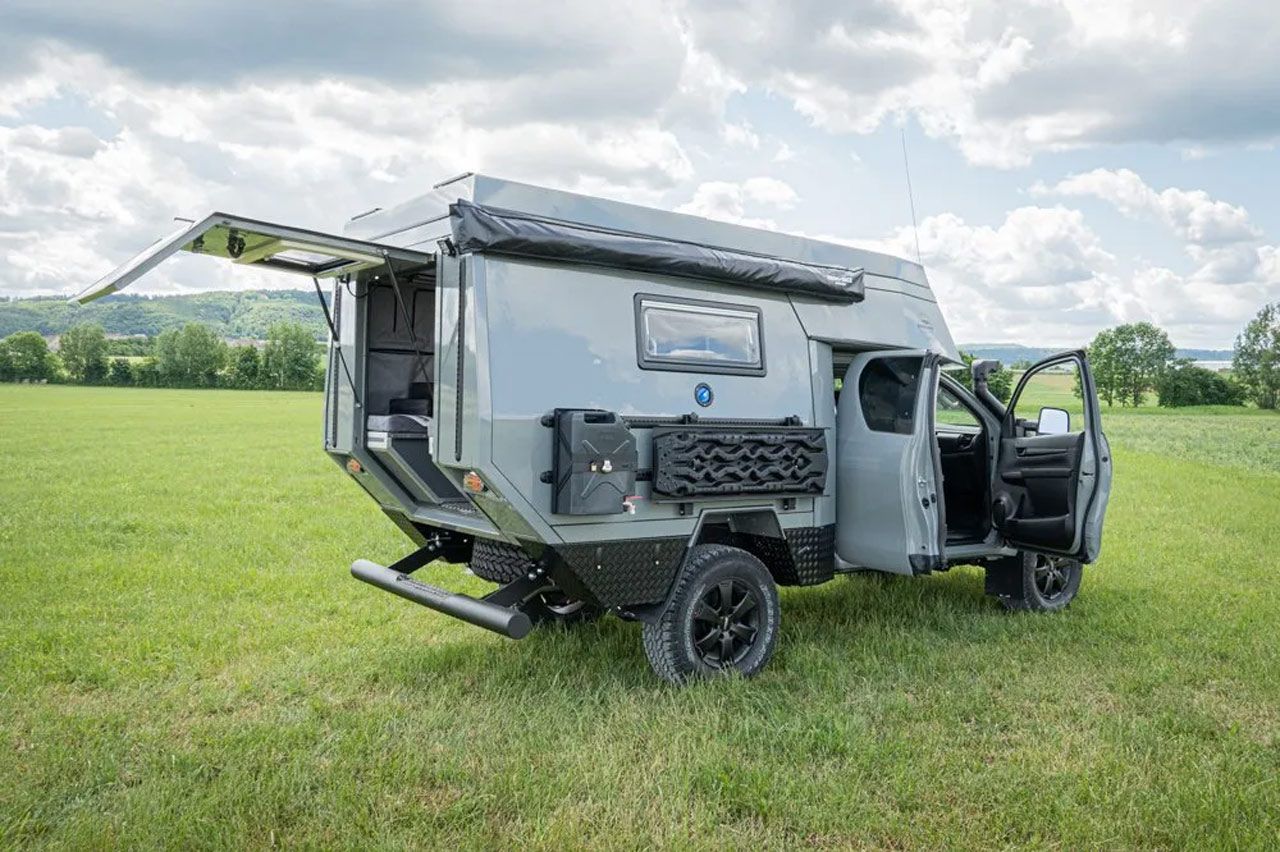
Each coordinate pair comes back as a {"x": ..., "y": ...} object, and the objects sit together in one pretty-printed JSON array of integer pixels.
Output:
[
  {"x": 644, "y": 362},
  {"x": 866, "y": 375}
]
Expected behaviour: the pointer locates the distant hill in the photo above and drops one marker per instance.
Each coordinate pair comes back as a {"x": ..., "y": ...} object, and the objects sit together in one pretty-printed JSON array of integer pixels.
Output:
[
  {"x": 1008, "y": 353},
  {"x": 244, "y": 314}
]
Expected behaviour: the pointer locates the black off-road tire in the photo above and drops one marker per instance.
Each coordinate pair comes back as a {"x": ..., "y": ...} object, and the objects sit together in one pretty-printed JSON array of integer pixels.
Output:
[
  {"x": 498, "y": 562},
  {"x": 720, "y": 591},
  {"x": 1034, "y": 583}
]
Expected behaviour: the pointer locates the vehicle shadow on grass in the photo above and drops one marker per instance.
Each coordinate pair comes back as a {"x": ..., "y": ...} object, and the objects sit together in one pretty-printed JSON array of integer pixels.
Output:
[{"x": 856, "y": 618}]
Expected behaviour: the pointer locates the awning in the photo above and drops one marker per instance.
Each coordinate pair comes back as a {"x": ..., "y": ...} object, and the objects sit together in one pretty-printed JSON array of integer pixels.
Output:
[{"x": 489, "y": 230}]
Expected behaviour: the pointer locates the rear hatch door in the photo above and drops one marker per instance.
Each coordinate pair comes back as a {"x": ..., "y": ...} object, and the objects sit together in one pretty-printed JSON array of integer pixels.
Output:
[{"x": 250, "y": 242}]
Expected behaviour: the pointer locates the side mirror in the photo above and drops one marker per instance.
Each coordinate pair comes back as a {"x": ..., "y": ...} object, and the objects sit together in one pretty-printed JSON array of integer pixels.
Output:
[{"x": 1053, "y": 421}]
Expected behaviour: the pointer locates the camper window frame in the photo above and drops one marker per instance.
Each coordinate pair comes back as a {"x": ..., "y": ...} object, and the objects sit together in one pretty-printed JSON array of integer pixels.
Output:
[{"x": 696, "y": 365}]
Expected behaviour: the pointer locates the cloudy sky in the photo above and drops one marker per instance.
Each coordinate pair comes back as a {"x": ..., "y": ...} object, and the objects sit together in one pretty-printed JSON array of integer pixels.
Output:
[{"x": 1076, "y": 163}]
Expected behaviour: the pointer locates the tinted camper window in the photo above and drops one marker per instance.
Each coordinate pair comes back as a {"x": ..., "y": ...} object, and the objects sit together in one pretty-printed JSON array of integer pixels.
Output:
[
  {"x": 888, "y": 394},
  {"x": 698, "y": 336}
]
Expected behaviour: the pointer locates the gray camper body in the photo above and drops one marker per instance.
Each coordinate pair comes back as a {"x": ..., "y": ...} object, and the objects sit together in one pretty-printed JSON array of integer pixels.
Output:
[{"x": 574, "y": 395}]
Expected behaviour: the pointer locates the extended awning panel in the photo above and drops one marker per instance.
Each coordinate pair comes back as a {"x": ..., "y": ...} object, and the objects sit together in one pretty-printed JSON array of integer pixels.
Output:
[
  {"x": 250, "y": 242},
  {"x": 485, "y": 229}
]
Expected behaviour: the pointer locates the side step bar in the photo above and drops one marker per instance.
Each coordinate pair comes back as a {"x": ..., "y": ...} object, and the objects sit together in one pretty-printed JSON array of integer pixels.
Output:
[{"x": 508, "y": 621}]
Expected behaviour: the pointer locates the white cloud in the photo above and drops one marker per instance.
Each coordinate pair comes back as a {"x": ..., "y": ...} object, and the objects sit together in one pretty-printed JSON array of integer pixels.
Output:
[
  {"x": 1041, "y": 274},
  {"x": 770, "y": 191},
  {"x": 1034, "y": 248},
  {"x": 1044, "y": 269},
  {"x": 1008, "y": 80},
  {"x": 307, "y": 153},
  {"x": 741, "y": 134},
  {"x": 1219, "y": 238},
  {"x": 734, "y": 202},
  {"x": 66, "y": 141},
  {"x": 1192, "y": 214}
]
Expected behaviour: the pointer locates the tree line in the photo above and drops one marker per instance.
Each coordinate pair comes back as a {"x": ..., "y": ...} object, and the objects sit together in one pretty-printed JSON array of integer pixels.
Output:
[
  {"x": 190, "y": 357},
  {"x": 1136, "y": 359},
  {"x": 1129, "y": 362}
]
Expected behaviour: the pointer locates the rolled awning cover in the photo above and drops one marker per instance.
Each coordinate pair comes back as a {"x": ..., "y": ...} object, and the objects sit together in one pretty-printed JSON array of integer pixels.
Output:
[{"x": 489, "y": 230}]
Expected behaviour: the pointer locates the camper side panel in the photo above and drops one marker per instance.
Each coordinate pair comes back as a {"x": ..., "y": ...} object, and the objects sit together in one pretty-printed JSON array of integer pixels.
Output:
[{"x": 566, "y": 337}]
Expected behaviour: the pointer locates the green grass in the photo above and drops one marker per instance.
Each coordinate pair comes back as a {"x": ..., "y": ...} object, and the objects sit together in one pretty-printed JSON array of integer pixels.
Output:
[{"x": 184, "y": 661}]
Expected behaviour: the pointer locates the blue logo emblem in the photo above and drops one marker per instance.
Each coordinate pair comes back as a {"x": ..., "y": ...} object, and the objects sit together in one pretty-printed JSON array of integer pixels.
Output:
[{"x": 702, "y": 394}]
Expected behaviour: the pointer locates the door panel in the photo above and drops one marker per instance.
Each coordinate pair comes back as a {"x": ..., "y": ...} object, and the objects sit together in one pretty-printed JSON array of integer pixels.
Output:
[
  {"x": 1041, "y": 474},
  {"x": 964, "y": 452},
  {"x": 888, "y": 511},
  {"x": 1050, "y": 491},
  {"x": 964, "y": 479}
]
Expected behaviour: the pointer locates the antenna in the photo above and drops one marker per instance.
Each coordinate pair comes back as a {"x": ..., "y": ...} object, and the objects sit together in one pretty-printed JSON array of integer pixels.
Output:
[{"x": 906, "y": 167}]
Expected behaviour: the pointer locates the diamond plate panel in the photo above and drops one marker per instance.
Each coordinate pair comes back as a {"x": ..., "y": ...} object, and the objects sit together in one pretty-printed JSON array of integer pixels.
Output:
[{"x": 631, "y": 572}]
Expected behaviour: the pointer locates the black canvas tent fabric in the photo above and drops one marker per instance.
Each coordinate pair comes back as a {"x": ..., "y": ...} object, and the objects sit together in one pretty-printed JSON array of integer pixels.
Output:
[{"x": 477, "y": 228}]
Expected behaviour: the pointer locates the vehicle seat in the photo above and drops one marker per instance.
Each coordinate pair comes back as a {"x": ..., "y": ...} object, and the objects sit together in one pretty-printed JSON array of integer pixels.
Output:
[{"x": 399, "y": 424}]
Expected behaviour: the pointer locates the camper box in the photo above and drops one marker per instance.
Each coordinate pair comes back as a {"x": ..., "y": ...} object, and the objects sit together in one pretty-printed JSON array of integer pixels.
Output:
[{"x": 603, "y": 407}]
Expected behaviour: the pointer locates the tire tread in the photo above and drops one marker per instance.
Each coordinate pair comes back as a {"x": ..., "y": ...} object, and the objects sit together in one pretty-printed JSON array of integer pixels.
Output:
[{"x": 662, "y": 639}]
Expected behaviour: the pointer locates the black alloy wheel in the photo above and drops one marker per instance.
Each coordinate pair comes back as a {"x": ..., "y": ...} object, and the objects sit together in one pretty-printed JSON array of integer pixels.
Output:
[
  {"x": 1052, "y": 576},
  {"x": 726, "y": 622}
]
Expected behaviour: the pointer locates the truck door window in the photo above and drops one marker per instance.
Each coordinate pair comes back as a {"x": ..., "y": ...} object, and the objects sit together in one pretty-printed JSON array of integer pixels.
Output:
[
  {"x": 677, "y": 334},
  {"x": 1056, "y": 386},
  {"x": 887, "y": 391},
  {"x": 952, "y": 412}
]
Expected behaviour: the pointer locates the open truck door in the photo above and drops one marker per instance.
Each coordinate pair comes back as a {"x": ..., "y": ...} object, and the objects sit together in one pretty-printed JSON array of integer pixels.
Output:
[
  {"x": 1053, "y": 470},
  {"x": 889, "y": 512},
  {"x": 252, "y": 243}
]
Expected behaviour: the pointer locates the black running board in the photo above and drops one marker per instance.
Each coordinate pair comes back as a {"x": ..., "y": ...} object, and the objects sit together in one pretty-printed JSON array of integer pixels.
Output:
[{"x": 508, "y": 621}]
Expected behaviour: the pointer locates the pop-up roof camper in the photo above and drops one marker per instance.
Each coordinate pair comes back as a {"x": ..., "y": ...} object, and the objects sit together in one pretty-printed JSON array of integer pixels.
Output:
[{"x": 603, "y": 407}]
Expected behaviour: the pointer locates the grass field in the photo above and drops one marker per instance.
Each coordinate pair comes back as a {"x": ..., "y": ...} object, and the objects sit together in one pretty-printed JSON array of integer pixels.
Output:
[{"x": 185, "y": 662}]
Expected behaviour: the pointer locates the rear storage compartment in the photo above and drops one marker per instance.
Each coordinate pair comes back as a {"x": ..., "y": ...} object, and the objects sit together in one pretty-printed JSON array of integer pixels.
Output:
[{"x": 399, "y": 387}]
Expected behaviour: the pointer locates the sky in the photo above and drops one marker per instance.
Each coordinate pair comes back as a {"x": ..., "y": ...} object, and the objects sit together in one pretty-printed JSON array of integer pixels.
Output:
[{"x": 1074, "y": 164}]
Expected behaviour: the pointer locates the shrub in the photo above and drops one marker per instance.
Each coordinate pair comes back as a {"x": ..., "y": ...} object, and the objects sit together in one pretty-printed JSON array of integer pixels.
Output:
[
  {"x": 120, "y": 372},
  {"x": 28, "y": 358},
  {"x": 146, "y": 373},
  {"x": 1186, "y": 384},
  {"x": 246, "y": 368}
]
